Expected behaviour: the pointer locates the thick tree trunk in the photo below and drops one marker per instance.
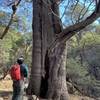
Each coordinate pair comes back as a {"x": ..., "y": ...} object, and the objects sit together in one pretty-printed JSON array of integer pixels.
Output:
[
  {"x": 57, "y": 88},
  {"x": 45, "y": 72},
  {"x": 48, "y": 71}
]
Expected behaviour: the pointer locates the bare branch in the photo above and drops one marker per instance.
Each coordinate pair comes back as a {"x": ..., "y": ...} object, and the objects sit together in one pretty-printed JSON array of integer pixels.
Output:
[
  {"x": 86, "y": 11},
  {"x": 65, "y": 9},
  {"x": 14, "y": 8},
  {"x": 5, "y": 74},
  {"x": 74, "y": 10},
  {"x": 68, "y": 32},
  {"x": 51, "y": 11},
  {"x": 81, "y": 11},
  {"x": 71, "y": 30}
]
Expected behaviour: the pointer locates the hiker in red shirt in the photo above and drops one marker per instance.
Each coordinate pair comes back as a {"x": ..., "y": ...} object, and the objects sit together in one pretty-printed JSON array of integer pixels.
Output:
[{"x": 19, "y": 71}]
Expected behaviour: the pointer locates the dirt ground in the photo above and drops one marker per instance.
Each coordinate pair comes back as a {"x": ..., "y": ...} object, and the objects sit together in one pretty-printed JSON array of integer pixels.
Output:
[{"x": 6, "y": 91}]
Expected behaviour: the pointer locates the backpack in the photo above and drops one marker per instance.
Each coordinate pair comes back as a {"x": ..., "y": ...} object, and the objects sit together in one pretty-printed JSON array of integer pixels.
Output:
[
  {"x": 15, "y": 72},
  {"x": 24, "y": 70}
]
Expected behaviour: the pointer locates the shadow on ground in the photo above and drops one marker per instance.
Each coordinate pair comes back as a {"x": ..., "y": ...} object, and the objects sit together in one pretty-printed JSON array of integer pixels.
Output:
[{"x": 6, "y": 95}]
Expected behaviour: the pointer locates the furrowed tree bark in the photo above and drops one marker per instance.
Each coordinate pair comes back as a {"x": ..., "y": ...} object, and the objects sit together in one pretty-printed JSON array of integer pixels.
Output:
[
  {"x": 57, "y": 26},
  {"x": 48, "y": 71},
  {"x": 57, "y": 88},
  {"x": 35, "y": 78},
  {"x": 44, "y": 28}
]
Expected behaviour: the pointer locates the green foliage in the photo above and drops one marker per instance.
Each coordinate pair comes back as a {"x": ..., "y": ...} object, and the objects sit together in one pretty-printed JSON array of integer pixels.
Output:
[
  {"x": 75, "y": 70},
  {"x": 90, "y": 39},
  {"x": 2, "y": 14},
  {"x": 6, "y": 44},
  {"x": 22, "y": 46},
  {"x": 83, "y": 64},
  {"x": 14, "y": 45}
]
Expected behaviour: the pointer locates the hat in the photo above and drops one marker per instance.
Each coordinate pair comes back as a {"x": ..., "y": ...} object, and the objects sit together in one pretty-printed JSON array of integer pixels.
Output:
[{"x": 20, "y": 60}]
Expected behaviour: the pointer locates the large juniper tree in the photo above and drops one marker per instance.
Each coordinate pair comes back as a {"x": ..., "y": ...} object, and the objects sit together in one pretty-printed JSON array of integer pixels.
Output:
[{"x": 48, "y": 74}]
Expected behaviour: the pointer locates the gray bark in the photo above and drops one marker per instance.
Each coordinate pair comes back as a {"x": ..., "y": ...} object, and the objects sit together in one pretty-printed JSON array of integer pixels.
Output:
[
  {"x": 50, "y": 66},
  {"x": 57, "y": 88},
  {"x": 35, "y": 78}
]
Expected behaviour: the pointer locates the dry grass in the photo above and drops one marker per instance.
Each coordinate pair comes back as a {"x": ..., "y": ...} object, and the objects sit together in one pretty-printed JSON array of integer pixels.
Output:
[
  {"x": 6, "y": 86},
  {"x": 76, "y": 97}
]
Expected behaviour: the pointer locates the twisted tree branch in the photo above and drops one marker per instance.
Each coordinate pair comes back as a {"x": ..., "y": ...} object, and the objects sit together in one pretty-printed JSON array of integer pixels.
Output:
[
  {"x": 70, "y": 31},
  {"x": 14, "y": 8}
]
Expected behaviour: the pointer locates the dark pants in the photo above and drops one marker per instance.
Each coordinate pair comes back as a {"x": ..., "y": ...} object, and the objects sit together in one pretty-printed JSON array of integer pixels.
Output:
[{"x": 18, "y": 90}]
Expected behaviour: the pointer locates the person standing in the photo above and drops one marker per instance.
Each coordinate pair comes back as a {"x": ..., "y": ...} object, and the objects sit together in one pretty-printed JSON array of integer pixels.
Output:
[{"x": 19, "y": 72}]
